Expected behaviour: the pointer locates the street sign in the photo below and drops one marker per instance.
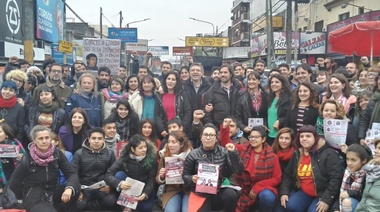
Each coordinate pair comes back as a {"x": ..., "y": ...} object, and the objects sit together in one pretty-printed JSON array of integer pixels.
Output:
[
  {"x": 207, "y": 41},
  {"x": 182, "y": 51},
  {"x": 65, "y": 46}
]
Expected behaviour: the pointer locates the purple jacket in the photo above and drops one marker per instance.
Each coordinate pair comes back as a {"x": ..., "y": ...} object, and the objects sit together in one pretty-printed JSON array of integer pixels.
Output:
[{"x": 68, "y": 139}]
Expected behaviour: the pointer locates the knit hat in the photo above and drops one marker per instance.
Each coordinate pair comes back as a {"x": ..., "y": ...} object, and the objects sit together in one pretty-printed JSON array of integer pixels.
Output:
[{"x": 9, "y": 84}]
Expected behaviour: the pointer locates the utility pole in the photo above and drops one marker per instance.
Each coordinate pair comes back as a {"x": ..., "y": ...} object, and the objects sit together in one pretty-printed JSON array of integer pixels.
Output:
[
  {"x": 289, "y": 32},
  {"x": 121, "y": 19},
  {"x": 28, "y": 30},
  {"x": 296, "y": 32},
  {"x": 101, "y": 22},
  {"x": 269, "y": 34}
]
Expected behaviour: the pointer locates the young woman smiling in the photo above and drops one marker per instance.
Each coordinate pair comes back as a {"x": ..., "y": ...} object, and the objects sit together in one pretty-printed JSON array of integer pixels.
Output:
[{"x": 305, "y": 107}]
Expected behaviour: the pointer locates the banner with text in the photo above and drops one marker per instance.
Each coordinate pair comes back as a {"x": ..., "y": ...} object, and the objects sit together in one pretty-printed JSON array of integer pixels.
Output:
[
  {"x": 314, "y": 43},
  {"x": 124, "y": 34},
  {"x": 207, "y": 41},
  {"x": 158, "y": 50},
  {"x": 141, "y": 47},
  {"x": 182, "y": 51},
  {"x": 107, "y": 52},
  {"x": 49, "y": 20}
]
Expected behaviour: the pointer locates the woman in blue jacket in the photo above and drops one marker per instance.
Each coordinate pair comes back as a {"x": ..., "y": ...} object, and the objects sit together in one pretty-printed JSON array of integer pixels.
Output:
[{"x": 87, "y": 98}]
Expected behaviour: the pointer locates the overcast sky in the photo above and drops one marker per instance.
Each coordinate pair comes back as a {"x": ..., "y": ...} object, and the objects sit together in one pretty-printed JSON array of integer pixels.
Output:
[{"x": 169, "y": 19}]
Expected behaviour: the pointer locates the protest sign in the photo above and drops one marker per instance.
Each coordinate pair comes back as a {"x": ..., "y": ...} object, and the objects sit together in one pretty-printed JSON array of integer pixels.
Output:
[{"x": 335, "y": 132}]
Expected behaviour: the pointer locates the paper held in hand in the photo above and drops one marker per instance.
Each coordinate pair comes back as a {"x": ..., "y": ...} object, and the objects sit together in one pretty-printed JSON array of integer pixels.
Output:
[
  {"x": 97, "y": 185},
  {"x": 335, "y": 132},
  {"x": 208, "y": 175},
  {"x": 128, "y": 197},
  {"x": 371, "y": 135},
  {"x": 9, "y": 151},
  {"x": 174, "y": 168},
  {"x": 252, "y": 122}
]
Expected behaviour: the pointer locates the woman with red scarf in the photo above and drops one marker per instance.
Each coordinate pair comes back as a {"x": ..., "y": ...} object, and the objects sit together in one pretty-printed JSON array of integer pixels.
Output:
[
  {"x": 11, "y": 111},
  {"x": 283, "y": 146},
  {"x": 262, "y": 171}
]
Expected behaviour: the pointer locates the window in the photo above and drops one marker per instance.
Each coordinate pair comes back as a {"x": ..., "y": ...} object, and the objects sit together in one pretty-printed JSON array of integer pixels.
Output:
[
  {"x": 361, "y": 10},
  {"x": 344, "y": 16},
  {"x": 318, "y": 26}
]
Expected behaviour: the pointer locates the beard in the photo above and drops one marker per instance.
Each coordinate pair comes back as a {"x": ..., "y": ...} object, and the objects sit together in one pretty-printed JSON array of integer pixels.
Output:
[{"x": 103, "y": 83}]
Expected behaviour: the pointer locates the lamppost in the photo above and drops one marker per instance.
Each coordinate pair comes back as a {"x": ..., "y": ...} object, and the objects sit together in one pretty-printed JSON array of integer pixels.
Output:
[
  {"x": 133, "y": 22},
  {"x": 344, "y": 5},
  {"x": 213, "y": 28}
]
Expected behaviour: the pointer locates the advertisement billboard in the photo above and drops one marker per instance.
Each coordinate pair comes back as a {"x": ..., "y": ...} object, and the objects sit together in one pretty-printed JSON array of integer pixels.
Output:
[
  {"x": 158, "y": 50},
  {"x": 313, "y": 43},
  {"x": 123, "y": 34},
  {"x": 49, "y": 20},
  {"x": 182, "y": 51},
  {"x": 207, "y": 41},
  {"x": 10, "y": 21},
  {"x": 141, "y": 47}
]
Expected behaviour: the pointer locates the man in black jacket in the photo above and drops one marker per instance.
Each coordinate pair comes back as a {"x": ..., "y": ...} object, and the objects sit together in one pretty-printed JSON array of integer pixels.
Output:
[
  {"x": 221, "y": 99},
  {"x": 91, "y": 163}
]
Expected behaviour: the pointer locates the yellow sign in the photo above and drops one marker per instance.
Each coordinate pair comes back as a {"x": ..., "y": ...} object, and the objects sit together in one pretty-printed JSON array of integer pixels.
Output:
[
  {"x": 207, "y": 41},
  {"x": 261, "y": 23},
  {"x": 65, "y": 46}
]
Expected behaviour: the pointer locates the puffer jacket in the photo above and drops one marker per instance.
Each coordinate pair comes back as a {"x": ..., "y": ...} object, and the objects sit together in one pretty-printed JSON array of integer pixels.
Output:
[
  {"x": 59, "y": 117},
  {"x": 34, "y": 183},
  {"x": 92, "y": 165},
  {"x": 327, "y": 173},
  {"x": 230, "y": 163},
  {"x": 224, "y": 105},
  {"x": 182, "y": 109},
  {"x": 244, "y": 109}
]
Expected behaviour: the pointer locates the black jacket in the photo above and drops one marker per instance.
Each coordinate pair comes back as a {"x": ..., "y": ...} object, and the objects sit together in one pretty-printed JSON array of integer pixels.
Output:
[
  {"x": 365, "y": 119},
  {"x": 230, "y": 163},
  {"x": 15, "y": 118},
  {"x": 309, "y": 117},
  {"x": 196, "y": 98},
  {"x": 224, "y": 105},
  {"x": 182, "y": 109},
  {"x": 91, "y": 165},
  {"x": 127, "y": 127},
  {"x": 327, "y": 174},
  {"x": 244, "y": 109},
  {"x": 59, "y": 118},
  {"x": 34, "y": 183},
  {"x": 135, "y": 170}
]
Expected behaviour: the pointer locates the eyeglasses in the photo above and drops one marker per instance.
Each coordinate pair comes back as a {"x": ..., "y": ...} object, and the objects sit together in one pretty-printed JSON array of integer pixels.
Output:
[
  {"x": 255, "y": 137},
  {"x": 56, "y": 71},
  {"x": 209, "y": 135},
  {"x": 17, "y": 81}
]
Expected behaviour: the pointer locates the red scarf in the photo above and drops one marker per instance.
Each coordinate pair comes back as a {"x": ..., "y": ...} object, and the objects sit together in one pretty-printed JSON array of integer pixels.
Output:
[
  {"x": 285, "y": 156},
  {"x": 7, "y": 103}
]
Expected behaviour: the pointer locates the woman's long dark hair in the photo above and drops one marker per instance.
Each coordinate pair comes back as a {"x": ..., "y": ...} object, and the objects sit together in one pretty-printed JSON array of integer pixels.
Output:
[
  {"x": 45, "y": 88},
  {"x": 286, "y": 91},
  {"x": 127, "y": 105},
  {"x": 146, "y": 78},
  {"x": 127, "y": 82},
  {"x": 178, "y": 85},
  {"x": 153, "y": 136},
  {"x": 136, "y": 140},
  {"x": 313, "y": 100},
  {"x": 342, "y": 79},
  {"x": 8, "y": 131},
  {"x": 276, "y": 143},
  {"x": 86, "y": 126}
]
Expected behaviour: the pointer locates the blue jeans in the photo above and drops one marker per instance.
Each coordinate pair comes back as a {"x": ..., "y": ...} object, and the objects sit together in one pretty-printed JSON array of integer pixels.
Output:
[
  {"x": 300, "y": 202},
  {"x": 177, "y": 202},
  {"x": 354, "y": 203},
  {"x": 146, "y": 205},
  {"x": 266, "y": 199}
]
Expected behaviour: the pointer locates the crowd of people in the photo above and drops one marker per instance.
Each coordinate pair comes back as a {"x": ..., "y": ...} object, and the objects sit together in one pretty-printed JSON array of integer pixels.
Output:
[{"x": 68, "y": 125}]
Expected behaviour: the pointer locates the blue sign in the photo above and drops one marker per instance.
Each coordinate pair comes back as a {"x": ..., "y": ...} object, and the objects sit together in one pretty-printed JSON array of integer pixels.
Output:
[
  {"x": 49, "y": 20},
  {"x": 58, "y": 56},
  {"x": 124, "y": 34}
]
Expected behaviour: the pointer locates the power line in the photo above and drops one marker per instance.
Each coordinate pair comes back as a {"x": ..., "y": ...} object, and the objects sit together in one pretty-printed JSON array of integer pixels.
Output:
[
  {"x": 108, "y": 20},
  {"x": 262, "y": 20}
]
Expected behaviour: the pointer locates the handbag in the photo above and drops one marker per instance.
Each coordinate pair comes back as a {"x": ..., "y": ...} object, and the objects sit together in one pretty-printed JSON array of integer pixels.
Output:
[{"x": 8, "y": 199}]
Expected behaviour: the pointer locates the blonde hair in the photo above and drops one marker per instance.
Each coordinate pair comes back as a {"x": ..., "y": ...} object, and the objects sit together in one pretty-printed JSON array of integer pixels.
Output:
[
  {"x": 90, "y": 76},
  {"x": 17, "y": 73}
]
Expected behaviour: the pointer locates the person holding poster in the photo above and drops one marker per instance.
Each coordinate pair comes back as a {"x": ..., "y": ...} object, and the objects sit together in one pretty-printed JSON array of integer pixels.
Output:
[
  {"x": 262, "y": 170},
  {"x": 331, "y": 109},
  {"x": 137, "y": 161},
  {"x": 11, "y": 153},
  {"x": 211, "y": 153},
  {"x": 312, "y": 179},
  {"x": 252, "y": 102},
  {"x": 174, "y": 196}
]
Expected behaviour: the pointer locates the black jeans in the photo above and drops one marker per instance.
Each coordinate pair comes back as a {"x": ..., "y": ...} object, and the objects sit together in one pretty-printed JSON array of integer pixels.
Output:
[{"x": 226, "y": 199}]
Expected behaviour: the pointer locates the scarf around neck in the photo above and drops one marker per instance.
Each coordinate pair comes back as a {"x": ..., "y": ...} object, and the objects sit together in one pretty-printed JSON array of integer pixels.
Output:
[
  {"x": 42, "y": 158},
  {"x": 7, "y": 103},
  {"x": 114, "y": 96},
  {"x": 42, "y": 108},
  {"x": 138, "y": 158},
  {"x": 372, "y": 172},
  {"x": 285, "y": 156}
]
